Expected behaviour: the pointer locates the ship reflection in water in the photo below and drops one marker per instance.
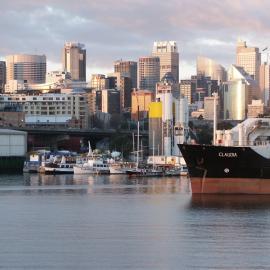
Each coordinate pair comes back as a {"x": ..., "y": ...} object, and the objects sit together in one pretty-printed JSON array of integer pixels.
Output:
[{"x": 215, "y": 201}]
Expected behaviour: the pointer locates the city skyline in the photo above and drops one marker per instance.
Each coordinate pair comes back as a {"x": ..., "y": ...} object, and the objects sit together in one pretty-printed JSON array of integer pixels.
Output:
[{"x": 127, "y": 30}]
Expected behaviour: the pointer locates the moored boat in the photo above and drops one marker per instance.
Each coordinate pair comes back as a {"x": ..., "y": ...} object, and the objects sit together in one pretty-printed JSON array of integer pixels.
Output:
[
  {"x": 94, "y": 164},
  {"x": 145, "y": 172},
  {"x": 56, "y": 167}
]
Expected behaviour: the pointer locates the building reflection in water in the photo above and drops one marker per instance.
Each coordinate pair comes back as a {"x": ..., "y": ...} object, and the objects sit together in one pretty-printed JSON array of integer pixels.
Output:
[{"x": 112, "y": 183}]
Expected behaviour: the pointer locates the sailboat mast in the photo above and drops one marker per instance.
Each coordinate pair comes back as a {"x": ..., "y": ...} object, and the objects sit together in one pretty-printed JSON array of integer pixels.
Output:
[
  {"x": 153, "y": 148},
  {"x": 138, "y": 142}
]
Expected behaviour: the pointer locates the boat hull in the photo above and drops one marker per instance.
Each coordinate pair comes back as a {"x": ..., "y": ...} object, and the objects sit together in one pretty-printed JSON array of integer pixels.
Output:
[
  {"x": 226, "y": 169},
  {"x": 85, "y": 170},
  {"x": 230, "y": 185},
  {"x": 57, "y": 171},
  {"x": 142, "y": 173}
]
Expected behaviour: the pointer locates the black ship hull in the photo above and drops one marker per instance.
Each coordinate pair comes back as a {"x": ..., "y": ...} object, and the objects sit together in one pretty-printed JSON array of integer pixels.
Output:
[{"x": 226, "y": 169}]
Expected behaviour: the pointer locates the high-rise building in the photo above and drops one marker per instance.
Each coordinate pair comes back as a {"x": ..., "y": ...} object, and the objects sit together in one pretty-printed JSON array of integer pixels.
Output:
[
  {"x": 129, "y": 68},
  {"x": 209, "y": 68},
  {"x": 2, "y": 76},
  {"x": 110, "y": 100},
  {"x": 249, "y": 58},
  {"x": 188, "y": 90},
  {"x": 265, "y": 82},
  {"x": 125, "y": 93},
  {"x": 27, "y": 68},
  {"x": 74, "y": 60},
  {"x": 149, "y": 72},
  {"x": 167, "y": 52},
  {"x": 209, "y": 108},
  {"x": 98, "y": 82},
  {"x": 122, "y": 82},
  {"x": 140, "y": 100}
]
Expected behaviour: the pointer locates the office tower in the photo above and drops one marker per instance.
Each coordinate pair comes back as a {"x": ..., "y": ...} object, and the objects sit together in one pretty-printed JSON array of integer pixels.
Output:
[
  {"x": 125, "y": 93},
  {"x": 129, "y": 68},
  {"x": 209, "y": 108},
  {"x": 26, "y": 68},
  {"x": 265, "y": 82},
  {"x": 111, "y": 82},
  {"x": 2, "y": 76},
  {"x": 123, "y": 83},
  {"x": 188, "y": 90},
  {"x": 209, "y": 68},
  {"x": 149, "y": 72},
  {"x": 110, "y": 100},
  {"x": 74, "y": 60},
  {"x": 169, "y": 58},
  {"x": 249, "y": 58},
  {"x": 140, "y": 101},
  {"x": 99, "y": 82}
]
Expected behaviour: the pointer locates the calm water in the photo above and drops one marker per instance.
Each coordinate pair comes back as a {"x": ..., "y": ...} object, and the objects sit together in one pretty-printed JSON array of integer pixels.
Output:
[{"x": 68, "y": 222}]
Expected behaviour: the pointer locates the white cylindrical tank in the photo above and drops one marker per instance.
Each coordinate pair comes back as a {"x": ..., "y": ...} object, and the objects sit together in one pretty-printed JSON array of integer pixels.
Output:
[
  {"x": 177, "y": 110},
  {"x": 228, "y": 138},
  {"x": 167, "y": 146},
  {"x": 183, "y": 107},
  {"x": 240, "y": 134},
  {"x": 167, "y": 106}
]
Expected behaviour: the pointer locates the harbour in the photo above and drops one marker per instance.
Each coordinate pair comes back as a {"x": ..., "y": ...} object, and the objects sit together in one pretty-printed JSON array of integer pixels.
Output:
[{"x": 114, "y": 222}]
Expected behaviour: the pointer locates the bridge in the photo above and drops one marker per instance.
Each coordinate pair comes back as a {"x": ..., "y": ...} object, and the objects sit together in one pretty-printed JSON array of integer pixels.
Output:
[
  {"x": 55, "y": 137},
  {"x": 78, "y": 131}
]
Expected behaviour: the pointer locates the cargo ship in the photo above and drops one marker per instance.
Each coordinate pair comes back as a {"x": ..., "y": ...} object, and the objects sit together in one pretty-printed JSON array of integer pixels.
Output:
[{"x": 238, "y": 162}]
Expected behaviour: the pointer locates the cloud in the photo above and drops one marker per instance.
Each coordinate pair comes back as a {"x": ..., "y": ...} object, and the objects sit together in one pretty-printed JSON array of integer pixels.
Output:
[{"x": 127, "y": 28}]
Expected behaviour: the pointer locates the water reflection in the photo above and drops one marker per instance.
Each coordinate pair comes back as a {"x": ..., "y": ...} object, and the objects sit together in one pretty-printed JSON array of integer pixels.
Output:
[
  {"x": 211, "y": 201},
  {"x": 107, "y": 184}
]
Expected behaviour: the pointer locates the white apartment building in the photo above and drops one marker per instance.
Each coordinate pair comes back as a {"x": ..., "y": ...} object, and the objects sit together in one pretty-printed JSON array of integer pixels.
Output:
[{"x": 52, "y": 109}]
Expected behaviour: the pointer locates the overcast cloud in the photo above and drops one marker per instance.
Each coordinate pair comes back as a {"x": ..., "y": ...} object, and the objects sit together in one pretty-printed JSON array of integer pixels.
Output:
[{"x": 127, "y": 28}]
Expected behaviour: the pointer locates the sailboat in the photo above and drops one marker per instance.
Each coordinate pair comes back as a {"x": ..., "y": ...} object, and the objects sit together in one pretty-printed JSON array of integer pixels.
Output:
[{"x": 144, "y": 171}]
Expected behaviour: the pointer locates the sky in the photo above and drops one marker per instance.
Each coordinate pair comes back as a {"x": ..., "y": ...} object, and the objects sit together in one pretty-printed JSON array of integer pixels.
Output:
[{"x": 126, "y": 29}]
